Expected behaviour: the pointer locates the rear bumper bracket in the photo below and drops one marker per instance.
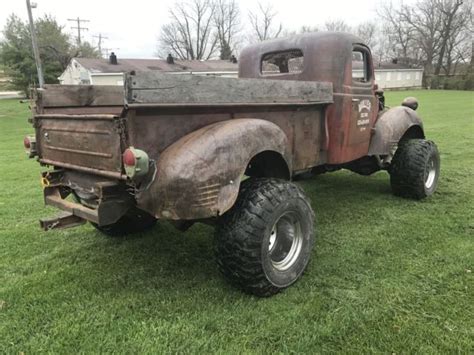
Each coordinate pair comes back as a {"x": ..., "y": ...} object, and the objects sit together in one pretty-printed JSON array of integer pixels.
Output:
[{"x": 61, "y": 221}]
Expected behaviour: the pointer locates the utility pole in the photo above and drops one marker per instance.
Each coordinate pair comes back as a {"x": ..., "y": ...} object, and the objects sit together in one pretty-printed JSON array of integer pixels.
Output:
[
  {"x": 78, "y": 28},
  {"x": 34, "y": 41},
  {"x": 99, "y": 44}
]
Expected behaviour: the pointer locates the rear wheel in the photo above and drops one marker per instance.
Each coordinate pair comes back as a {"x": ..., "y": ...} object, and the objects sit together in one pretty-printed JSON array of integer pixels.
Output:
[
  {"x": 415, "y": 168},
  {"x": 263, "y": 244},
  {"x": 134, "y": 221}
]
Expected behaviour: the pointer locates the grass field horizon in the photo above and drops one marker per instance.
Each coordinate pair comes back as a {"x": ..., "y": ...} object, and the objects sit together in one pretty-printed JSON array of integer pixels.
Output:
[{"x": 387, "y": 275}]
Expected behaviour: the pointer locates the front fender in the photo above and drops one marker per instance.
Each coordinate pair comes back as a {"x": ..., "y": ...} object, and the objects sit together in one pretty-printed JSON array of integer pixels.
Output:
[
  {"x": 390, "y": 128},
  {"x": 199, "y": 175}
]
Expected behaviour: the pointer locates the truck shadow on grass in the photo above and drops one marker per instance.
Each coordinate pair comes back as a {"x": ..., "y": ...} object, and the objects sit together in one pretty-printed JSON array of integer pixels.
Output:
[{"x": 183, "y": 262}]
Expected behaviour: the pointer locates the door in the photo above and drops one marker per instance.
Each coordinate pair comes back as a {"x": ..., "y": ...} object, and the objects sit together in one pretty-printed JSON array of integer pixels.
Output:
[{"x": 364, "y": 107}]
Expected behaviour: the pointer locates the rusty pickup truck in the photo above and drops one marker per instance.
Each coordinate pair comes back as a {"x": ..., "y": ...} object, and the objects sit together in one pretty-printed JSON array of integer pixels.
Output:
[{"x": 224, "y": 151}]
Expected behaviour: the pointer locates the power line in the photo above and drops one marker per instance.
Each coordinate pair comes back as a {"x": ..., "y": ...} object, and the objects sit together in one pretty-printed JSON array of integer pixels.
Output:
[
  {"x": 78, "y": 28},
  {"x": 99, "y": 44}
]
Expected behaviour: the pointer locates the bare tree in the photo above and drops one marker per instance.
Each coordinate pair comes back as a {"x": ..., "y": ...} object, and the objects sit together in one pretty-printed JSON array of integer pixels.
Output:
[
  {"x": 433, "y": 32},
  {"x": 263, "y": 23},
  {"x": 227, "y": 23},
  {"x": 458, "y": 50},
  {"x": 426, "y": 22},
  {"x": 190, "y": 33},
  {"x": 454, "y": 21},
  {"x": 337, "y": 26},
  {"x": 383, "y": 49},
  {"x": 398, "y": 32},
  {"x": 367, "y": 32},
  {"x": 306, "y": 28}
]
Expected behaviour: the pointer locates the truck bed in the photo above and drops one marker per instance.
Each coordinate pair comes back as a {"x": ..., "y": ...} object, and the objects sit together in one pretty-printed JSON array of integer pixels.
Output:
[{"x": 86, "y": 128}]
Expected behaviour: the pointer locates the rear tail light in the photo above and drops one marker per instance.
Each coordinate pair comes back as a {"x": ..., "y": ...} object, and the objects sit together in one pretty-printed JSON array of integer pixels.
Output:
[
  {"x": 135, "y": 162},
  {"x": 29, "y": 143},
  {"x": 129, "y": 158}
]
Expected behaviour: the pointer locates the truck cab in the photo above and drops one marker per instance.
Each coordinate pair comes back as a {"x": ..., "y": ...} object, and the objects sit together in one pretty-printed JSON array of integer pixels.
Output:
[{"x": 339, "y": 58}]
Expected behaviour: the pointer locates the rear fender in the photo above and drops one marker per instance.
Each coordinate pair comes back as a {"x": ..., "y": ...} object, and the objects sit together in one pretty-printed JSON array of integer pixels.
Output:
[
  {"x": 199, "y": 176},
  {"x": 390, "y": 128}
]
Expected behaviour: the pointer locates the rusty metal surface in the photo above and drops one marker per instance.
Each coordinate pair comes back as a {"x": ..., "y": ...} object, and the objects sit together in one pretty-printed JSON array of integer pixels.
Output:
[
  {"x": 84, "y": 169},
  {"x": 79, "y": 96},
  {"x": 83, "y": 141},
  {"x": 223, "y": 105},
  {"x": 52, "y": 197},
  {"x": 327, "y": 58},
  {"x": 61, "y": 221},
  {"x": 302, "y": 126},
  {"x": 201, "y": 147},
  {"x": 390, "y": 127},
  {"x": 79, "y": 99},
  {"x": 159, "y": 88},
  {"x": 92, "y": 110},
  {"x": 199, "y": 175},
  {"x": 102, "y": 201}
]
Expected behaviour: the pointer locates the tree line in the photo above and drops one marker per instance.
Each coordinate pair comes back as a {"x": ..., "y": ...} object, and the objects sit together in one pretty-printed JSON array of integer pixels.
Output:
[{"x": 433, "y": 34}]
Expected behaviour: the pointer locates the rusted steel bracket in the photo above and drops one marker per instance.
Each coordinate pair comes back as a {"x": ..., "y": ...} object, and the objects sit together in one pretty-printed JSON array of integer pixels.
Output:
[
  {"x": 52, "y": 197},
  {"x": 111, "y": 207},
  {"x": 61, "y": 221}
]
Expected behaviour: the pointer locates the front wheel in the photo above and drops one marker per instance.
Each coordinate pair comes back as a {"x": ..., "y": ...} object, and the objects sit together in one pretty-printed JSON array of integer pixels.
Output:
[
  {"x": 263, "y": 244},
  {"x": 415, "y": 167}
]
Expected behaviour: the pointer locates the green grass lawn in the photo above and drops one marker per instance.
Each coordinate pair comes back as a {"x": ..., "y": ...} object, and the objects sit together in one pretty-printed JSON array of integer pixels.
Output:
[{"x": 388, "y": 275}]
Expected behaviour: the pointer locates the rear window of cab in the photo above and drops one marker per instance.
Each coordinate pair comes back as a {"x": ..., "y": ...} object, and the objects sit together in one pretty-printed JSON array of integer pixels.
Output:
[{"x": 283, "y": 62}]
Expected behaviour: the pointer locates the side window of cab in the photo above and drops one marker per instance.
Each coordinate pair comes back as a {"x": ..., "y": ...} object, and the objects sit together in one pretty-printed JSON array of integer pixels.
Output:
[{"x": 361, "y": 71}]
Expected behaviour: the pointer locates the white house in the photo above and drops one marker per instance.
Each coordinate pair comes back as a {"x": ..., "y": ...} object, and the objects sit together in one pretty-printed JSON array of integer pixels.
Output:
[
  {"x": 98, "y": 71},
  {"x": 92, "y": 71},
  {"x": 398, "y": 76}
]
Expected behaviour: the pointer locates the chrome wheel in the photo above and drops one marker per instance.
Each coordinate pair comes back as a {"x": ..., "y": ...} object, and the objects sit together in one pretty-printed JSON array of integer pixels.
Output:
[
  {"x": 285, "y": 242},
  {"x": 430, "y": 174}
]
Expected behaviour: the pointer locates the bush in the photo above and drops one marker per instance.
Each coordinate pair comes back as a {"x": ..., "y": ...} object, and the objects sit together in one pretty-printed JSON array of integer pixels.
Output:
[
  {"x": 453, "y": 83},
  {"x": 465, "y": 82},
  {"x": 469, "y": 82}
]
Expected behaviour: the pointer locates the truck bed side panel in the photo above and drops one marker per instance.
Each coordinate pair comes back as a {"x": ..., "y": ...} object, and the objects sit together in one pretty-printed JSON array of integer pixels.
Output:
[{"x": 154, "y": 129}]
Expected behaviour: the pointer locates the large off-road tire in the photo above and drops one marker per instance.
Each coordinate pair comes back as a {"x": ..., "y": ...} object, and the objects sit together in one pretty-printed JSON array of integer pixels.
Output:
[
  {"x": 134, "y": 221},
  {"x": 415, "y": 167},
  {"x": 263, "y": 244}
]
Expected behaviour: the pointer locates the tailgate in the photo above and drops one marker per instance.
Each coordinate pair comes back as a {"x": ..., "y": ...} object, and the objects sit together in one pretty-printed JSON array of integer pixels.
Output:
[{"x": 90, "y": 143}]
